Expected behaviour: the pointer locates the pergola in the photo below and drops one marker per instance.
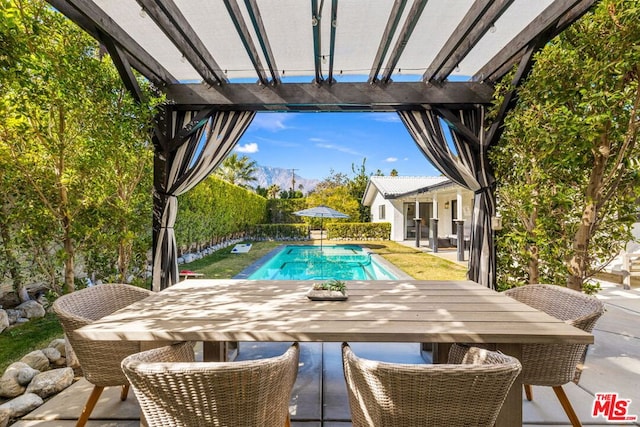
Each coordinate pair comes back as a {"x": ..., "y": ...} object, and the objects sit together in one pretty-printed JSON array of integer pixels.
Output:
[{"x": 219, "y": 61}]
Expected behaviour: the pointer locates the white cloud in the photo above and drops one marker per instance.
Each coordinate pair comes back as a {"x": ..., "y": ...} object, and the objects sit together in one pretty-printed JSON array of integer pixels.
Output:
[
  {"x": 250, "y": 147},
  {"x": 317, "y": 140},
  {"x": 338, "y": 148},
  {"x": 391, "y": 159},
  {"x": 273, "y": 122},
  {"x": 386, "y": 117}
]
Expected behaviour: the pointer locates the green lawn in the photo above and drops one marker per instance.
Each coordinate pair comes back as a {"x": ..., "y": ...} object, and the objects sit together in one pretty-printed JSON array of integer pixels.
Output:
[
  {"x": 223, "y": 264},
  {"x": 33, "y": 335}
]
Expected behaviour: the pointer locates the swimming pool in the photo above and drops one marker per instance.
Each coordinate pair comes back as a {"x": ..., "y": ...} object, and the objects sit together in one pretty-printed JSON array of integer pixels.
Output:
[{"x": 341, "y": 262}]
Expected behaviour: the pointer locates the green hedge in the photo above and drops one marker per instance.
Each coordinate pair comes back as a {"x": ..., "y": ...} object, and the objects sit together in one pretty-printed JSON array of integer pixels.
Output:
[
  {"x": 358, "y": 231},
  {"x": 278, "y": 232},
  {"x": 280, "y": 211},
  {"x": 215, "y": 211}
]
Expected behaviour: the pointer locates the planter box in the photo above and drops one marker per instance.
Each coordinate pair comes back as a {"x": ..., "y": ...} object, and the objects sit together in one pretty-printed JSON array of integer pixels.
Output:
[{"x": 325, "y": 295}]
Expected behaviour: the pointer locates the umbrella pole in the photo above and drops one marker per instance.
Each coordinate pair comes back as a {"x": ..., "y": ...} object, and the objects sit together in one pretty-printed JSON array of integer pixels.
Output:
[{"x": 321, "y": 222}]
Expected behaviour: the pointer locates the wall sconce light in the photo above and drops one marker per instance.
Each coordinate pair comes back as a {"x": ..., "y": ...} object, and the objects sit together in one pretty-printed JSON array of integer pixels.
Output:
[{"x": 446, "y": 205}]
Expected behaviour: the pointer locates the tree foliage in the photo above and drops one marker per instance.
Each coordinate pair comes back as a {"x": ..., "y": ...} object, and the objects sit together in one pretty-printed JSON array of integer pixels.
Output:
[
  {"x": 568, "y": 161},
  {"x": 76, "y": 147},
  {"x": 238, "y": 170}
]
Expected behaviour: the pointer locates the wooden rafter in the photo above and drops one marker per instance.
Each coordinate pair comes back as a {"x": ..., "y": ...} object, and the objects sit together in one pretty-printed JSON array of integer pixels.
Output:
[
  {"x": 455, "y": 122},
  {"x": 258, "y": 26},
  {"x": 403, "y": 38},
  {"x": 473, "y": 26},
  {"x": 336, "y": 97},
  {"x": 173, "y": 23},
  {"x": 332, "y": 41},
  {"x": 124, "y": 68},
  {"x": 511, "y": 97},
  {"x": 387, "y": 37},
  {"x": 316, "y": 21},
  {"x": 93, "y": 20},
  {"x": 555, "y": 18},
  {"x": 245, "y": 37}
]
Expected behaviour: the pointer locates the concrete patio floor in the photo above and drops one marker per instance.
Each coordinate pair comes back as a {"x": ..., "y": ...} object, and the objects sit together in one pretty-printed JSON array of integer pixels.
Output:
[{"x": 319, "y": 397}]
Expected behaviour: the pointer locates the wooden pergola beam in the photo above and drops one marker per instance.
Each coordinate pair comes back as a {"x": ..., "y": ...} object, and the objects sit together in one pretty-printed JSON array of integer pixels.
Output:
[
  {"x": 316, "y": 21},
  {"x": 176, "y": 27},
  {"x": 245, "y": 38},
  {"x": 258, "y": 25},
  {"x": 123, "y": 66},
  {"x": 478, "y": 20},
  {"x": 335, "y": 97},
  {"x": 387, "y": 37},
  {"x": 93, "y": 20},
  {"x": 410, "y": 24},
  {"x": 557, "y": 17}
]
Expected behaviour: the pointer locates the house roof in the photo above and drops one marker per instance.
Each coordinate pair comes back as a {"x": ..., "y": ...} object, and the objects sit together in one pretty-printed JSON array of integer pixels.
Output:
[{"x": 392, "y": 187}]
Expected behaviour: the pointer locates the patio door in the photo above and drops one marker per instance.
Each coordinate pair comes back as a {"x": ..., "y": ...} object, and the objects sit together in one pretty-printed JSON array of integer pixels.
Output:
[{"x": 425, "y": 212}]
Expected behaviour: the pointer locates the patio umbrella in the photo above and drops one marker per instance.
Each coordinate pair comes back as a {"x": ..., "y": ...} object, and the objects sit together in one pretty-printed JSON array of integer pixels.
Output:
[{"x": 321, "y": 212}]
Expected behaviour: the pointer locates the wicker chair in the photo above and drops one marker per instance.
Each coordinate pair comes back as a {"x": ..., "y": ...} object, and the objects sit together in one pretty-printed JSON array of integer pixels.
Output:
[
  {"x": 174, "y": 390},
  {"x": 468, "y": 391},
  {"x": 99, "y": 360},
  {"x": 556, "y": 364}
]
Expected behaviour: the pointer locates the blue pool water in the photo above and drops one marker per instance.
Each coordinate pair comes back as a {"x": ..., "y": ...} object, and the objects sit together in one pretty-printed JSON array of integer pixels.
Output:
[{"x": 341, "y": 262}]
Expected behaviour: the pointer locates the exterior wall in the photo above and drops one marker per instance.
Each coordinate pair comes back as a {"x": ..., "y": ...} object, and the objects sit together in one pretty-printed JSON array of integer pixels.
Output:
[
  {"x": 443, "y": 204},
  {"x": 464, "y": 201},
  {"x": 393, "y": 215}
]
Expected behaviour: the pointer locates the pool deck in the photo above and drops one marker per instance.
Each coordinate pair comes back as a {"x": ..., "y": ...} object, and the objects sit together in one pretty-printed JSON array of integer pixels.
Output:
[{"x": 450, "y": 254}]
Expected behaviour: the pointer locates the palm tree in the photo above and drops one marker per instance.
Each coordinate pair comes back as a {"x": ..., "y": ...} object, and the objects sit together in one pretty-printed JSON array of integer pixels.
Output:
[
  {"x": 237, "y": 170},
  {"x": 273, "y": 191}
]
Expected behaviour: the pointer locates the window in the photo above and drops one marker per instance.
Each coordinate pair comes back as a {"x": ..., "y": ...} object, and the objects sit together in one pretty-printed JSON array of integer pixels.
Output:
[{"x": 381, "y": 211}]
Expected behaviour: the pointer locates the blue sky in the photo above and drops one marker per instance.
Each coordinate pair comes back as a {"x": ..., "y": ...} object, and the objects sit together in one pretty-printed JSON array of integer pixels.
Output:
[{"x": 315, "y": 143}]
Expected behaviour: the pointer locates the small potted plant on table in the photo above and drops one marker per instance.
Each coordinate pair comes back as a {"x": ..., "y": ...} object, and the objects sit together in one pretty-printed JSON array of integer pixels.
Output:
[{"x": 331, "y": 290}]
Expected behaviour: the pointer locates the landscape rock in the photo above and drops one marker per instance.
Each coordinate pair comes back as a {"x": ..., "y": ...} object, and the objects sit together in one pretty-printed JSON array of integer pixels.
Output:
[
  {"x": 37, "y": 360},
  {"x": 52, "y": 354},
  {"x": 9, "y": 384},
  {"x": 4, "y": 320},
  {"x": 14, "y": 315},
  {"x": 51, "y": 382},
  {"x": 32, "y": 309},
  {"x": 5, "y": 414},
  {"x": 59, "y": 344},
  {"x": 22, "y": 405},
  {"x": 25, "y": 374},
  {"x": 72, "y": 359}
]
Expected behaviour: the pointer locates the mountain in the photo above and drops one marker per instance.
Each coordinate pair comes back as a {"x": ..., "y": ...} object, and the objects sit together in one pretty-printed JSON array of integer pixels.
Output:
[{"x": 267, "y": 175}]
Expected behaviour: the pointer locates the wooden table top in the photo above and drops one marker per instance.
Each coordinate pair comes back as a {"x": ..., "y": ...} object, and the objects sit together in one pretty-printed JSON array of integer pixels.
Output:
[{"x": 376, "y": 311}]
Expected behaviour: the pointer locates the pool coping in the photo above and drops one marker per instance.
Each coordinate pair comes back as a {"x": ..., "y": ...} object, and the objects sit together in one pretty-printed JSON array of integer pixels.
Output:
[{"x": 244, "y": 274}]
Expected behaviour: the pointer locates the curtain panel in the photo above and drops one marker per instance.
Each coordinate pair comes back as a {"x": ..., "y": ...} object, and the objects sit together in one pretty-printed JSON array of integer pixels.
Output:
[
  {"x": 197, "y": 142},
  {"x": 467, "y": 165}
]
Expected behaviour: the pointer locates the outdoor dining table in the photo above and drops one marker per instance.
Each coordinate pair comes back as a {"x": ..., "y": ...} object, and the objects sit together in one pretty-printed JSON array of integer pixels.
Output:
[{"x": 420, "y": 311}]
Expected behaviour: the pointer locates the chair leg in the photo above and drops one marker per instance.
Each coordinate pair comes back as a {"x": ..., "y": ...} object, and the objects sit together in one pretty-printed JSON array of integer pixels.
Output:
[
  {"x": 124, "y": 392},
  {"x": 287, "y": 422},
  {"x": 528, "y": 391},
  {"x": 566, "y": 405},
  {"x": 88, "y": 407}
]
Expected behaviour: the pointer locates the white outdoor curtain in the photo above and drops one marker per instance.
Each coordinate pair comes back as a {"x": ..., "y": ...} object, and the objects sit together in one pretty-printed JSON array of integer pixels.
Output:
[
  {"x": 468, "y": 167},
  {"x": 198, "y": 143}
]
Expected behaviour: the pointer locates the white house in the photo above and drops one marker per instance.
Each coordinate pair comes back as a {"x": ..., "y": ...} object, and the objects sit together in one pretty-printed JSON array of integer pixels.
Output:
[{"x": 396, "y": 199}]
